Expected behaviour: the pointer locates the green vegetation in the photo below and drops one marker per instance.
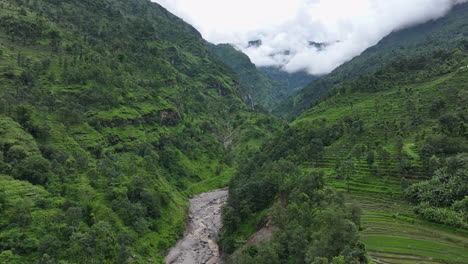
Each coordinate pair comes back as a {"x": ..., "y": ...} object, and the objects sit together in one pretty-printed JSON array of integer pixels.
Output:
[
  {"x": 375, "y": 139},
  {"x": 257, "y": 89},
  {"x": 111, "y": 115},
  {"x": 264, "y": 86},
  {"x": 443, "y": 198},
  {"x": 313, "y": 223},
  {"x": 293, "y": 82}
]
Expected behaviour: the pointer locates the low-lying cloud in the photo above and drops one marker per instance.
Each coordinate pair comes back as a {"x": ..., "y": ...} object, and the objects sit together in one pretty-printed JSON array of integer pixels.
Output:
[{"x": 316, "y": 36}]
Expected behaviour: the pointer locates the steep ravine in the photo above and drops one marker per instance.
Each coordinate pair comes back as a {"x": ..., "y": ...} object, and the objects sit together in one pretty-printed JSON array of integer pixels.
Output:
[{"x": 199, "y": 242}]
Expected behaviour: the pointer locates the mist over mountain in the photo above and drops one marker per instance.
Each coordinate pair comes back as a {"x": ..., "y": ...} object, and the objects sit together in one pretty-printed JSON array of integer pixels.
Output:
[
  {"x": 441, "y": 34},
  {"x": 126, "y": 137},
  {"x": 350, "y": 27}
]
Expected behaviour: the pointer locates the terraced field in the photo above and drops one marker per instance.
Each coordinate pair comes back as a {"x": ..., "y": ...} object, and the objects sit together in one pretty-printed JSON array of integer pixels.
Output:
[
  {"x": 401, "y": 237},
  {"x": 392, "y": 232}
]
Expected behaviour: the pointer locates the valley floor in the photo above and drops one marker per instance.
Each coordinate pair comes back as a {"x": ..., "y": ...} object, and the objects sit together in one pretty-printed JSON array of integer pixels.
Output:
[{"x": 199, "y": 242}]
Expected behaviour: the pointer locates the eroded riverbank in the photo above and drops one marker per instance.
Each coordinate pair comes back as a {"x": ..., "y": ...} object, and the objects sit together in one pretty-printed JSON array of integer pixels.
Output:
[{"x": 199, "y": 242}]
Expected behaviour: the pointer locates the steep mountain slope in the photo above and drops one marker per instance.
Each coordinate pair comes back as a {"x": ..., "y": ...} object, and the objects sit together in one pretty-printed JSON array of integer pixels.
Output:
[
  {"x": 111, "y": 114},
  {"x": 443, "y": 33},
  {"x": 292, "y": 81},
  {"x": 396, "y": 135},
  {"x": 257, "y": 88},
  {"x": 378, "y": 139},
  {"x": 263, "y": 86}
]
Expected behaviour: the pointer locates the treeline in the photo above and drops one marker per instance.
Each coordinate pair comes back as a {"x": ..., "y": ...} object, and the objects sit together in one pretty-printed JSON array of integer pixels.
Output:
[
  {"x": 443, "y": 198},
  {"x": 312, "y": 223}
]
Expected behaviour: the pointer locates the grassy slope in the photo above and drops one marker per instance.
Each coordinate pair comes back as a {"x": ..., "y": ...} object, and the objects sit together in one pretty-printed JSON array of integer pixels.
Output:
[
  {"x": 393, "y": 234},
  {"x": 82, "y": 137}
]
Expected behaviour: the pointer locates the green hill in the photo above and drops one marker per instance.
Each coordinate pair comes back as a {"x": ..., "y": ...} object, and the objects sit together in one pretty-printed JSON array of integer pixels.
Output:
[
  {"x": 398, "y": 133},
  {"x": 391, "y": 140},
  {"x": 112, "y": 113}
]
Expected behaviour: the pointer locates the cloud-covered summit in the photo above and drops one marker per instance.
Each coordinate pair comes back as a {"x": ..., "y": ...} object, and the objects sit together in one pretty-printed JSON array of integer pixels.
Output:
[{"x": 312, "y": 35}]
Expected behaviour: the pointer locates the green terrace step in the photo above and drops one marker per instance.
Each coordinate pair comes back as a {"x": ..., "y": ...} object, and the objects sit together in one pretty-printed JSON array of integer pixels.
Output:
[
  {"x": 405, "y": 238},
  {"x": 380, "y": 257}
]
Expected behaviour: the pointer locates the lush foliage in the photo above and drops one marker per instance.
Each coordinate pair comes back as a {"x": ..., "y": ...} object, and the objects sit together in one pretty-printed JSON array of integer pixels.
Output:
[
  {"x": 311, "y": 222},
  {"x": 265, "y": 86},
  {"x": 395, "y": 131},
  {"x": 376, "y": 133},
  {"x": 443, "y": 198},
  {"x": 257, "y": 89},
  {"x": 111, "y": 114}
]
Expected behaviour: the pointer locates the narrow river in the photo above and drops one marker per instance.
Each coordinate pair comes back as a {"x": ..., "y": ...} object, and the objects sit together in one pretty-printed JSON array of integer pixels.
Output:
[{"x": 198, "y": 246}]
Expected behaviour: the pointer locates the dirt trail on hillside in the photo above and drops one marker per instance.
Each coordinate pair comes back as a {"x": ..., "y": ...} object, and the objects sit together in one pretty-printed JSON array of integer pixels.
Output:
[{"x": 198, "y": 246}]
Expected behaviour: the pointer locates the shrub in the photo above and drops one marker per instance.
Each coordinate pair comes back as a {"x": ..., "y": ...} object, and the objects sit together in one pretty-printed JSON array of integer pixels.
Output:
[
  {"x": 17, "y": 152},
  {"x": 34, "y": 169},
  {"x": 442, "y": 215}
]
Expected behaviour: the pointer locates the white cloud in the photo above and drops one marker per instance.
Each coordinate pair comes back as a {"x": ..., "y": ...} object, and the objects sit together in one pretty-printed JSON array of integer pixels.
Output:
[{"x": 347, "y": 26}]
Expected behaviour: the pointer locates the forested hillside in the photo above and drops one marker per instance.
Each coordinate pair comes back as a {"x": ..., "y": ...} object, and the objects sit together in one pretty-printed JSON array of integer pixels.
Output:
[
  {"x": 444, "y": 33},
  {"x": 112, "y": 113},
  {"x": 399, "y": 133},
  {"x": 257, "y": 89},
  {"x": 261, "y": 86},
  {"x": 293, "y": 82}
]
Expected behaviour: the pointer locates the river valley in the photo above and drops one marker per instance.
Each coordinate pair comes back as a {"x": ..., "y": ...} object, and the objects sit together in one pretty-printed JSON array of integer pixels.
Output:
[{"x": 198, "y": 245}]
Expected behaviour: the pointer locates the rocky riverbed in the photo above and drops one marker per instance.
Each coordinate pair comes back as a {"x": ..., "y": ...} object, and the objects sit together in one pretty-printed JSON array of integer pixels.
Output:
[{"x": 198, "y": 246}]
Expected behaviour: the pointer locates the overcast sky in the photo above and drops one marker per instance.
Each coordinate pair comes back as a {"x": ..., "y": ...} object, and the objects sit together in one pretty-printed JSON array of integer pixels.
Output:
[{"x": 347, "y": 26}]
